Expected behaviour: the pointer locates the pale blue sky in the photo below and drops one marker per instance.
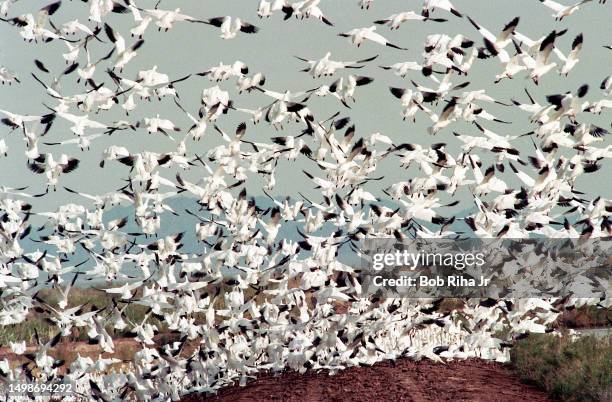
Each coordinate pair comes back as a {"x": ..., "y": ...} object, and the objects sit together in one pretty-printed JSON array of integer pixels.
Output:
[{"x": 190, "y": 48}]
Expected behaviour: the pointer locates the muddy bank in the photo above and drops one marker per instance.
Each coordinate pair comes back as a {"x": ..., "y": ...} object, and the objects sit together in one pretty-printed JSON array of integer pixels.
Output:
[{"x": 403, "y": 380}]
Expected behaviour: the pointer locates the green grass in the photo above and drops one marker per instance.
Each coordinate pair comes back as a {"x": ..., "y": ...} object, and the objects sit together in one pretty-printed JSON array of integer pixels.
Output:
[
  {"x": 90, "y": 299},
  {"x": 579, "y": 370},
  {"x": 25, "y": 331}
]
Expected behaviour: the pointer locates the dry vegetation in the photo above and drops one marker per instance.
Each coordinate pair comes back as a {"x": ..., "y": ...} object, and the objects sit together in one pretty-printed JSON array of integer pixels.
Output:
[
  {"x": 586, "y": 317},
  {"x": 570, "y": 370}
]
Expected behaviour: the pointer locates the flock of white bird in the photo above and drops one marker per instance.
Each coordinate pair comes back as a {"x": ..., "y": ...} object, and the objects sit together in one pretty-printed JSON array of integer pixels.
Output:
[{"x": 253, "y": 298}]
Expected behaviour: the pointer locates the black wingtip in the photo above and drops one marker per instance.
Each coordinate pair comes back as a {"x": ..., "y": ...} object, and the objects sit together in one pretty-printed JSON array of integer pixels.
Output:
[
  {"x": 395, "y": 46},
  {"x": 456, "y": 13}
]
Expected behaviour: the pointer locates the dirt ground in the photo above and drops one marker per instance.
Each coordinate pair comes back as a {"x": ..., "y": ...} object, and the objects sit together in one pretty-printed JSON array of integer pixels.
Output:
[{"x": 403, "y": 380}]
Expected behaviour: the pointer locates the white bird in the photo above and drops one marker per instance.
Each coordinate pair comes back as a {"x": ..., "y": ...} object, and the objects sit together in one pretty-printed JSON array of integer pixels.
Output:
[
  {"x": 327, "y": 67},
  {"x": 541, "y": 65},
  {"x": 599, "y": 106},
  {"x": 18, "y": 347},
  {"x": 123, "y": 53},
  {"x": 125, "y": 291},
  {"x": 449, "y": 114},
  {"x": 403, "y": 68},
  {"x": 411, "y": 101},
  {"x": 81, "y": 122},
  {"x": 98, "y": 9},
  {"x": 3, "y": 147},
  {"x": 246, "y": 83},
  {"x": 198, "y": 129},
  {"x": 142, "y": 23},
  {"x": 33, "y": 29},
  {"x": 8, "y": 76},
  {"x": 395, "y": 20},
  {"x": 5, "y": 6},
  {"x": 87, "y": 72},
  {"x": 230, "y": 26},
  {"x": 53, "y": 169},
  {"x": 430, "y": 6},
  {"x": 256, "y": 114},
  {"x": 560, "y": 11},
  {"x": 83, "y": 141},
  {"x": 365, "y": 4},
  {"x": 572, "y": 59},
  {"x": 500, "y": 41},
  {"x": 306, "y": 9},
  {"x": 158, "y": 125},
  {"x": 266, "y": 8},
  {"x": 165, "y": 19},
  {"x": 512, "y": 65},
  {"x": 345, "y": 86},
  {"x": 74, "y": 26},
  {"x": 224, "y": 72},
  {"x": 359, "y": 35},
  {"x": 15, "y": 120}
]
